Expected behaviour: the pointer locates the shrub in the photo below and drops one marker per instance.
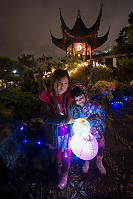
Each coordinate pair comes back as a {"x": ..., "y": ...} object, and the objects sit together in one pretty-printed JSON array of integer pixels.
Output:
[{"x": 18, "y": 104}]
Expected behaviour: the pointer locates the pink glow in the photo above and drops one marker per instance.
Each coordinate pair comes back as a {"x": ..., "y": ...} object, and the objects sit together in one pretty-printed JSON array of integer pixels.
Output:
[{"x": 85, "y": 149}]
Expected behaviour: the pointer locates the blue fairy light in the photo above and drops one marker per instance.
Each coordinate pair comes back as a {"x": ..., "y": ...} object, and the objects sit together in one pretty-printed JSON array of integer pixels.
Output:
[
  {"x": 125, "y": 98},
  {"x": 21, "y": 128},
  {"x": 39, "y": 143},
  {"x": 117, "y": 104},
  {"x": 15, "y": 130},
  {"x": 25, "y": 141}
]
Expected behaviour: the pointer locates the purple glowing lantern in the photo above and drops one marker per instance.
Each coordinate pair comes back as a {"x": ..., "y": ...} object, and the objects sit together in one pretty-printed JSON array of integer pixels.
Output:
[{"x": 84, "y": 145}]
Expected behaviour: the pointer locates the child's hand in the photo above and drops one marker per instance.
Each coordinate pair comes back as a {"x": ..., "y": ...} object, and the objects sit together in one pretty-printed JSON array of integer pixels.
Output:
[{"x": 70, "y": 120}]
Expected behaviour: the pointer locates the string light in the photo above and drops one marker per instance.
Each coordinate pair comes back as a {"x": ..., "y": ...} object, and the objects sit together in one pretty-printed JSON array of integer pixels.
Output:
[
  {"x": 25, "y": 141},
  {"x": 39, "y": 142},
  {"x": 118, "y": 104},
  {"x": 21, "y": 128}
]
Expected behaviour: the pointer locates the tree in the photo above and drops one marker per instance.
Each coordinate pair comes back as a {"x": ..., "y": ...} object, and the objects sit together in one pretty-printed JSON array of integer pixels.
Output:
[
  {"x": 123, "y": 37},
  {"x": 130, "y": 29},
  {"x": 10, "y": 70},
  {"x": 6, "y": 65},
  {"x": 121, "y": 41},
  {"x": 44, "y": 62},
  {"x": 28, "y": 60},
  {"x": 124, "y": 42},
  {"x": 125, "y": 69}
]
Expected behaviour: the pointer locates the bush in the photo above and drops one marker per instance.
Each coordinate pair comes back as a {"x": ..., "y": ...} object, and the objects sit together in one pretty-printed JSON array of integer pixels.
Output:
[
  {"x": 102, "y": 73},
  {"x": 124, "y": 71},
  {"x": 105, "y": 88},
  {"x": 18, "y": 104}
]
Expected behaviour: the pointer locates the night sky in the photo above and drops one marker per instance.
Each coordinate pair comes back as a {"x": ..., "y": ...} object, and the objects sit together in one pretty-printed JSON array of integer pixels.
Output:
[{"x": 25, "y": 24}]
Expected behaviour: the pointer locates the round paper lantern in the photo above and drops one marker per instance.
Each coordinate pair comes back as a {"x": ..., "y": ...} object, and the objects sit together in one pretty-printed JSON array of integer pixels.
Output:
[
  {"x": 81, "y": 127},
  {"x": 84, "y": 145}
]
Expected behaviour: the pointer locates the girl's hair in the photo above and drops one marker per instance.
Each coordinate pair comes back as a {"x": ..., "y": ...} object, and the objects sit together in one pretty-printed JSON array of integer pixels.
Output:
[
  {"x": 76, "y": 92},
  {"x": 58, "y": 74}
]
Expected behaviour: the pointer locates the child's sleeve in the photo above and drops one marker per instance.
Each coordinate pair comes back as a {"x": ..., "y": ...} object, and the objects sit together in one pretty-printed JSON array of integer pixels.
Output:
[
  {"x": 100, "y": 112},
  {"x": 73, "y": 111},
  {"x": 97, "y": 120},
  {"x": 52, "y": 118}
]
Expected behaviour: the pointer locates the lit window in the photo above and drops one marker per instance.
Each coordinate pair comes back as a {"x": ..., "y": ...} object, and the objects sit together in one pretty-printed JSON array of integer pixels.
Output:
[{"x": 78, "y": 47}]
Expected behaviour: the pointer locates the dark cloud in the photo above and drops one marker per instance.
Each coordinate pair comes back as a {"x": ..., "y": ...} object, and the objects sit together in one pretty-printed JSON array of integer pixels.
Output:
[{"x": 25, "y": 25}]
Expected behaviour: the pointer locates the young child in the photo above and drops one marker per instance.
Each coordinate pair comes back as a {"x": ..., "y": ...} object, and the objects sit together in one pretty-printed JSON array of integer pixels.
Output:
[
  {"x": 57, "y": 104},
  {"x": 96, "y": 117}
]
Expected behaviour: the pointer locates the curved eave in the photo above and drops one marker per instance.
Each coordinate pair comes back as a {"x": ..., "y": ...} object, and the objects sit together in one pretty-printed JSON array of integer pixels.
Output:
[
  {"x": 61, "y": 43},
  {"x": 101, "y": 40},
  {"x": 79, "y": 30},
  {"x": 95, "y": 27},
  {"x": 63, "y": 24}
]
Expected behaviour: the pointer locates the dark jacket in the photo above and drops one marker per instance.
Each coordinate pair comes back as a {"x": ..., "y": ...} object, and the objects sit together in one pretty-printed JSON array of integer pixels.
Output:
[{"x": 51, "y": 117}]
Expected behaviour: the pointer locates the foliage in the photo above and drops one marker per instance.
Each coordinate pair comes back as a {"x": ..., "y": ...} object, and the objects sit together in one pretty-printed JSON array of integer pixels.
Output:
[
  {"x": 123, "y": 37},
  {"x": 7, "y": 66},
  {"x": 44, "y": 59},
  {"x": 28, "y": 83},
  {"x": 18, "y": 104},
  {"x": 27, "y": 60},
  {"x": 44, "y": 62},
  {"x": 69, "y": 60},
  {"x": 121, "y": 42},
  {"x": 130, "y": 29},
  {"x": 102, "y": 73},
  {"x": 80, "y": 75},
  {"x": 124, "y": 71},
  {"x": 105, "y": 88},
  {"x": 130, "y": 33},
  {"x": 122, "y": 89},
  {"x": 124, "y": 42},
  {"x": 7, "y": 76}
]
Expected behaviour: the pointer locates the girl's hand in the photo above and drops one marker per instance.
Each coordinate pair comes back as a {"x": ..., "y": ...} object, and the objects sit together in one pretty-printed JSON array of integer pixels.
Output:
[{"x": 70, "y": 120}]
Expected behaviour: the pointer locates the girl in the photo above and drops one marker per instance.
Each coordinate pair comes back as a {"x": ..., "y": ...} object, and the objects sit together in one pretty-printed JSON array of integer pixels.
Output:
[
  {"x": 57, "y": 105},
  {"x": 96, "y": 118}
]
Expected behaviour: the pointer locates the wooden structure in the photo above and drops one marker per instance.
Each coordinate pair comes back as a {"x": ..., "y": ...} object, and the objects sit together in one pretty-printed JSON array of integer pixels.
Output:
[{"x": 80, "y": 40}]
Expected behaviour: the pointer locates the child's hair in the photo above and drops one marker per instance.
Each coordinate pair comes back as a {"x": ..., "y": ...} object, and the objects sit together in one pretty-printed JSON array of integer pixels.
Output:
[
  {"x": 76, "y": 91},
  {"x": 59, "y": 73}
]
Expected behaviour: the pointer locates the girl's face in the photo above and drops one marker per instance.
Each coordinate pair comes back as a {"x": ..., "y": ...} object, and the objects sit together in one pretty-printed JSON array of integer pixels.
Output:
[
  {"x": 60, "y": 86},
  {"x": 80, "y": 100}
]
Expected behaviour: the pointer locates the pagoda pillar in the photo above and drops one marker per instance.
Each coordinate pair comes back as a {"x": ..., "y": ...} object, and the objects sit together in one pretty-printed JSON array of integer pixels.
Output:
[
  {"x": 72, "y": 48},
  {"x": 85, "y": 51}
]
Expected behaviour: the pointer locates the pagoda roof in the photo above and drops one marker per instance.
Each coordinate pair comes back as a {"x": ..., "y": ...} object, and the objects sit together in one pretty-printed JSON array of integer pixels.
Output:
[{"x": 80, "y": 33}]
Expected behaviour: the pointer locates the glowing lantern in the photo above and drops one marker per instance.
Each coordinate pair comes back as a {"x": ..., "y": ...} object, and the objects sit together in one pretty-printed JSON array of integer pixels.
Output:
[
  {"x": 84, "y": 145},
  {"x": 78, "y": 47},
  {"x": 81, "y": 127}
]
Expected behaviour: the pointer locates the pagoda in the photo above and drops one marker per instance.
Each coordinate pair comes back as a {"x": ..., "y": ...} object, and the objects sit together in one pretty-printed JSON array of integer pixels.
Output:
[{"x": 80, "y": 40}]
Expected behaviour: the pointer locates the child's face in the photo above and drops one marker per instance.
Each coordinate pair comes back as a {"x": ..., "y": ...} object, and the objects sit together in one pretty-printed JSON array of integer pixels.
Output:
[
  {"x": 60, "y": 86},
  {"x": 80, "y": 100}
]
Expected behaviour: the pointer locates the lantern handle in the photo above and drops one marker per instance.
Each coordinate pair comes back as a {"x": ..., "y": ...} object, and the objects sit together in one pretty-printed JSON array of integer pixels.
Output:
[{"x": 80, "y": 118}]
